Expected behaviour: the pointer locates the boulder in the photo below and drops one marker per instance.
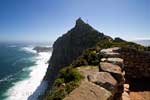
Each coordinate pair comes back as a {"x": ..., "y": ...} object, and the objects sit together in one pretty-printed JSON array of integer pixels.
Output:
[
  {"x": 116, "y": 61},
  {"x": 105, "y": 80},
  {"x": 111, "y": 52},
  {"x": 109, "y": 67},
  {"x": 125, "y": 96},
  {"x": 110, "y": 49},
  {"x": 115, "y": 71},
  {"x": 89, "y": 91}
]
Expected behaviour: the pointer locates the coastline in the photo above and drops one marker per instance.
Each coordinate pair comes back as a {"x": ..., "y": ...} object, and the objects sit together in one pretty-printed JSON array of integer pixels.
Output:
[{"x": 23, "y": 89}]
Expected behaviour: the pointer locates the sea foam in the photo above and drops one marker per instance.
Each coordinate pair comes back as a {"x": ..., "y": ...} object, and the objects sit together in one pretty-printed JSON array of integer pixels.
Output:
[
  {"x": 25, "y": 88},
  {"x": 28, "y": 49}
]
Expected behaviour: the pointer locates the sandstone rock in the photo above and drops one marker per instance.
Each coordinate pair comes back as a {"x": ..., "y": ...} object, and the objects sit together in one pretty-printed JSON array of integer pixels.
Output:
[
  {"x": 88, "y": 72},
  {"x": 114, "y": 60},
  {"x": 126, "y": 87},
  {"x": 110, "y": 49},
  {"x": 111, "y": 54},
  {"x": 90, "y": 78},
  {"x": 104, "y": 59},
  {"x": 109, "y": 67},
  {"x": 115, "y": 70},
  {"x": 102, "y": 79},
  {"x": 105, "y": 80},
  {"x": 117, "y": 61},
  {"x": 89, "y": 91},
  {"x": 125, "y": 96}
]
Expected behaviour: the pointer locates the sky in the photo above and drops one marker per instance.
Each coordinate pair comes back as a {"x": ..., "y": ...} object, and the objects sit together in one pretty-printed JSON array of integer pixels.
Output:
[{"x": 46, "y": 20}]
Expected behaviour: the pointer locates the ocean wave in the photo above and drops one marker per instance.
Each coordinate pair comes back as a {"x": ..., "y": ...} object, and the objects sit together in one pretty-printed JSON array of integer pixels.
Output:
[
  {"x": 7, "y": 78},
  {"x": 28, "y": 49},
  {"x": 23, "y": 60},
  {"x": 25, "y": 88}
]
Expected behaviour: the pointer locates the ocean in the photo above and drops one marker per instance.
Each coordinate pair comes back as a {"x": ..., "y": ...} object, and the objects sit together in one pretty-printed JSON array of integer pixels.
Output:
[{"x": 21, "y": 70}]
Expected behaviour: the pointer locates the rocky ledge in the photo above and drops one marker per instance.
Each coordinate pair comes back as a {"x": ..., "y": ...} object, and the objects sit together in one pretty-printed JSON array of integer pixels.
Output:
[{"x": 103, "y": 82}]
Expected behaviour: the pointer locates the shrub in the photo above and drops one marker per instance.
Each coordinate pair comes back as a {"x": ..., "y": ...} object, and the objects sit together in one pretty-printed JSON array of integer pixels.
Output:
[
  {"x": 70, "y": 74},
  {"x": 79, "y": 62},
  {"x": 71, "y": 77},
  {"x": 91, "y": 57},
  {"x": 58, "y": 82},
  {"x": 71, "y": 86},
  {"x": 57, "y": 94}
]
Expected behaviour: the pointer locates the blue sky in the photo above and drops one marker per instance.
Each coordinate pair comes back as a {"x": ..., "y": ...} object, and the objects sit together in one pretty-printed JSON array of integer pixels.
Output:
[{"x": 45, "y": 20}]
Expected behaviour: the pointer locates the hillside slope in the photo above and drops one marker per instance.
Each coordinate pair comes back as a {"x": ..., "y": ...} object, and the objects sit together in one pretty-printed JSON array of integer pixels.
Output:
[{"x": 71, "y": 45}]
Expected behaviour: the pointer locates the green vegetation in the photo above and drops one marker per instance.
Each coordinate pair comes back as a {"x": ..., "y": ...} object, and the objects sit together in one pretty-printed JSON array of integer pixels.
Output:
[
  {"x": 92, "y": 56},
  {"x": 70, "y": 74},
  {"x": 69, "y": 79},
  {"x": 89, "y": 57},
  {"x": 120, "y": 43}
]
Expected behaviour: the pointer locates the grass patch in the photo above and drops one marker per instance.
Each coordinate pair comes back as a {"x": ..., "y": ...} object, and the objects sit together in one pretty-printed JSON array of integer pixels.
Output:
[{"x": 69, "y": 79}]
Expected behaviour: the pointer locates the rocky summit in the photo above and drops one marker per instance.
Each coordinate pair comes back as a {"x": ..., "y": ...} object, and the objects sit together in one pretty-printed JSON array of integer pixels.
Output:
[{"x": 71, "y": 45}]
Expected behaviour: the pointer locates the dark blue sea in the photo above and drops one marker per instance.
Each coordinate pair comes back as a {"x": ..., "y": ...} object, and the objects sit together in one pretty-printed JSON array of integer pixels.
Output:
[{"x": 21, "y": 70}]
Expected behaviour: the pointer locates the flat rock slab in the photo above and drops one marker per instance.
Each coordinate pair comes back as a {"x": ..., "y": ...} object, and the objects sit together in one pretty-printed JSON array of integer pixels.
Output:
[
  {"x": 104, "y": 77},
  {"x": 114, "y": 70},
  {"x": 114, "y": 60},
  {"x": 110, "y": 49},
  {"x": 118, "y": 60},
  {"x": 109, "y": 67},
  {"x": 89, "y": 91},
  {"x": 88, "y": 70},
  {"x": 106, "y": 80},
  {"x": 111, "y": 54}
]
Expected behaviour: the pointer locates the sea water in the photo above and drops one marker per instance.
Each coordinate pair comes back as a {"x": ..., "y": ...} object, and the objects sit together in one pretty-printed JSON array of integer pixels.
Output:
[{"x": 21, "y": 70}]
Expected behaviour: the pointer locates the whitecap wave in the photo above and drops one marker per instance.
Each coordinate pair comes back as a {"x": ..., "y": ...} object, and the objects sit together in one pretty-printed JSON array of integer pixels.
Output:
[
  {"x": 9, "y": 77},
  {"x": 23, "y": 89},
  {"x": 28, "y": 49}
]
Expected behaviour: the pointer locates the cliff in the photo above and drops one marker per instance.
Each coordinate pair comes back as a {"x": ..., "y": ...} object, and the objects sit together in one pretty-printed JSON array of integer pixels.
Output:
[
  {"x": 88, "y": 65},
  {"x": 71, "y": 45}
]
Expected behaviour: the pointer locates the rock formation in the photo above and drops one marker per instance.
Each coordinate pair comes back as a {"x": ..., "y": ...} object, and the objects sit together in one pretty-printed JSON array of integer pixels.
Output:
[
  {"x": 137, "y": 60},
  {"x": 108, "y": 78},
  {"x": 42, "y": 49},
  {"x": 71, "y": 45},
  {"x": 101, "y": 83}
]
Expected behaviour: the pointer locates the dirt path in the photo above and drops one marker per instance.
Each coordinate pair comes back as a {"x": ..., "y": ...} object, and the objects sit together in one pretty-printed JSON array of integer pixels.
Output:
[{"x": 140, "y": 95}]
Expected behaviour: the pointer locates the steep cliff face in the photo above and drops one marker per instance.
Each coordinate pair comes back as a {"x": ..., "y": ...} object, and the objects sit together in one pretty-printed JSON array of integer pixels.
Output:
[
  {"x": 71, "y": 45},
  {"x": 136, "y": 63}
]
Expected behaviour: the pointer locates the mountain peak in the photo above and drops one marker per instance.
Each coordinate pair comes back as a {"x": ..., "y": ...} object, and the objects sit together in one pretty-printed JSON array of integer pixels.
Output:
[{"x": 79, "y": 22}]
